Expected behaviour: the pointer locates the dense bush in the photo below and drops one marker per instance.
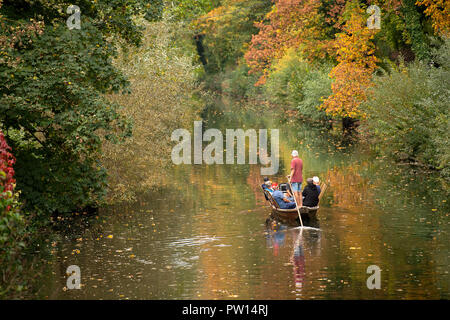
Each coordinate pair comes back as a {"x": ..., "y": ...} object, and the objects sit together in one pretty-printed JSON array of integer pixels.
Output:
[
  {"x": 295, "y": 84},
  {"x": 408, "y": 111},
  {"x": 238, "y": 83}
]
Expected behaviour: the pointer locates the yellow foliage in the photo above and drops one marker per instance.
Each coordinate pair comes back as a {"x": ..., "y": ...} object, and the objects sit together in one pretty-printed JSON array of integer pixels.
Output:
[
  {"x": 439, "y": 11},
  {"x": 356, "y": 64}
]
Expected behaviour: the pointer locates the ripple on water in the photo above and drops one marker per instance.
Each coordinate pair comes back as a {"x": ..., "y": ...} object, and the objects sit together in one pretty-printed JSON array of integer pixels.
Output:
[{"x": 194, "y": 241}]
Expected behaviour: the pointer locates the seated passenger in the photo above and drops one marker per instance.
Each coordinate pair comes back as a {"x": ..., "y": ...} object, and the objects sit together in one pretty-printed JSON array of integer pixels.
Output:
[
  {"x": 316, "y": 182},
  {"x": 264, "y": 184},
  {"x": 281, "y": 199},
  {"x": 286, "y": 189},
  {"x": 268, "y": 186},
  {"x": 310, "y": 194}
]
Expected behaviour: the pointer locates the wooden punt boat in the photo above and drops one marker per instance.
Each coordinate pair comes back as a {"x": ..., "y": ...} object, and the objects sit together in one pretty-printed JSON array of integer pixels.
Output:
[{"x": 307, "y": 213}]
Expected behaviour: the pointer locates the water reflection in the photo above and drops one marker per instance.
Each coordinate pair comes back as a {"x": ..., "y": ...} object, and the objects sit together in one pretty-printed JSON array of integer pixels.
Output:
[{"x": 298, "y": 261}]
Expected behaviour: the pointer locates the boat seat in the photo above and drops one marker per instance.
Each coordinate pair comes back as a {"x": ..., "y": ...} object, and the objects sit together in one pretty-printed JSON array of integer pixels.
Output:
[{"x": 323, "y": 188}]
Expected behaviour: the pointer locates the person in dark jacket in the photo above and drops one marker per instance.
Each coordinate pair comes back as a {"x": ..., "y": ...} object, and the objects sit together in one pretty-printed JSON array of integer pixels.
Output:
[{"x": 310, "y": 194}]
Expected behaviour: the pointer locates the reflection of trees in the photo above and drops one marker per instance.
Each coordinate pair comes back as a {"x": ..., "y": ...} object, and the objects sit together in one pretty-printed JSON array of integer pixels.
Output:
[
  {"x": 350, "y": 190},
  {"x": 254, "y": 180}
]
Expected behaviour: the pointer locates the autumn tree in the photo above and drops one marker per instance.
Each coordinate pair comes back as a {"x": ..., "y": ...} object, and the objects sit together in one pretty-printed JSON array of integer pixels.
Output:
[
  {"x": 290, "y": 24},
  {"x": 439, "y": 11},
  {"x": 356, "y": 64}
]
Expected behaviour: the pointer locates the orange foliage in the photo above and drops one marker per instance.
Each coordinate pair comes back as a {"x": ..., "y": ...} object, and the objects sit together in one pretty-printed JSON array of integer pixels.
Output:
[
  {"x": 439, "y": 11},
  {"x": 290, "y": 24},
  {"x": 356, "y": 63},
  {"x": 335, "y": 11}
]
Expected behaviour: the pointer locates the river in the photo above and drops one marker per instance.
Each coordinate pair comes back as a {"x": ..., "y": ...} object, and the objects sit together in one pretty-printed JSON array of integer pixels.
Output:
[{"x": 205, "y": 236}]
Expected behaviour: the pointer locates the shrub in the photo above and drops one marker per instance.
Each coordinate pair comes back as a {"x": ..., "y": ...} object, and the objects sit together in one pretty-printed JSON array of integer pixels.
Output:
[
  {"x": 408, "y": 111},
  {"x": 316, "y": 87},
  {"x": 239, "y": 83},
  {"x": 294, "y": 83}
]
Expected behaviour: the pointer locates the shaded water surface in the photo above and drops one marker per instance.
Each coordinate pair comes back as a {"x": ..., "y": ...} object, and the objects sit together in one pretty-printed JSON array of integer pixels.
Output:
[{"x": 206, "y": 237}]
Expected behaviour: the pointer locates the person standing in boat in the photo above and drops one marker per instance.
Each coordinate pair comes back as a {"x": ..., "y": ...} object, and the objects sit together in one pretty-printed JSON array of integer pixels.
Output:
[
  {"x": 296, "y": 176},
  {"x": 281, "y": 199},
  {"x": 310, "y": 194}
]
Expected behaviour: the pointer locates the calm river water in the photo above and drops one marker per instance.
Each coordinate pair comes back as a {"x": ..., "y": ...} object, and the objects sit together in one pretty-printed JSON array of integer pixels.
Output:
[{"x": 206, "y": 237}]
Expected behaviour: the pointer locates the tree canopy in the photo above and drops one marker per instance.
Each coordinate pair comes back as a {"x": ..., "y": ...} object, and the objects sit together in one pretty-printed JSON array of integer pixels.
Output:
[{"x": 52, "y": 105}]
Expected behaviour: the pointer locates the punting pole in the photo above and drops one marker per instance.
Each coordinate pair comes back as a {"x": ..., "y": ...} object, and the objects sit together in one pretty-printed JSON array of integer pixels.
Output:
[{"x": 295, "y": 199}]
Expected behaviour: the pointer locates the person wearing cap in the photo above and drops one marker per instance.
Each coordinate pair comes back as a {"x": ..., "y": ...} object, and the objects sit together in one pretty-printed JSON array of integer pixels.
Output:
[
  {"x": 310, "y": 194},
  {"x": 281, "y": 198},
  {"x": 316, "y": 182},
  {"x": 296, "y": 176},
  {"x": 268, "y": 186},
  {"x": 266, "y": 183}
]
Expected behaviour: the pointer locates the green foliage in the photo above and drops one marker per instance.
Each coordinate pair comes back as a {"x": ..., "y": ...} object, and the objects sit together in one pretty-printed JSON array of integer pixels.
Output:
[
  {"x": 11, "y": 227},
  {"x": 238, "y": 82},
  {"x": 112, "y": 18},
  {"x": 188, "y": 10},
  {"x": 408, "y": 112},
  {"x": 415, "y": 30},
  {"x": 52, "y": 95},
  {"x": 12, "y": 242},
  {"x": 316, "y": 87},
  {"x": 227, "y": 29},
  {"x": 296, "y": 84}
]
